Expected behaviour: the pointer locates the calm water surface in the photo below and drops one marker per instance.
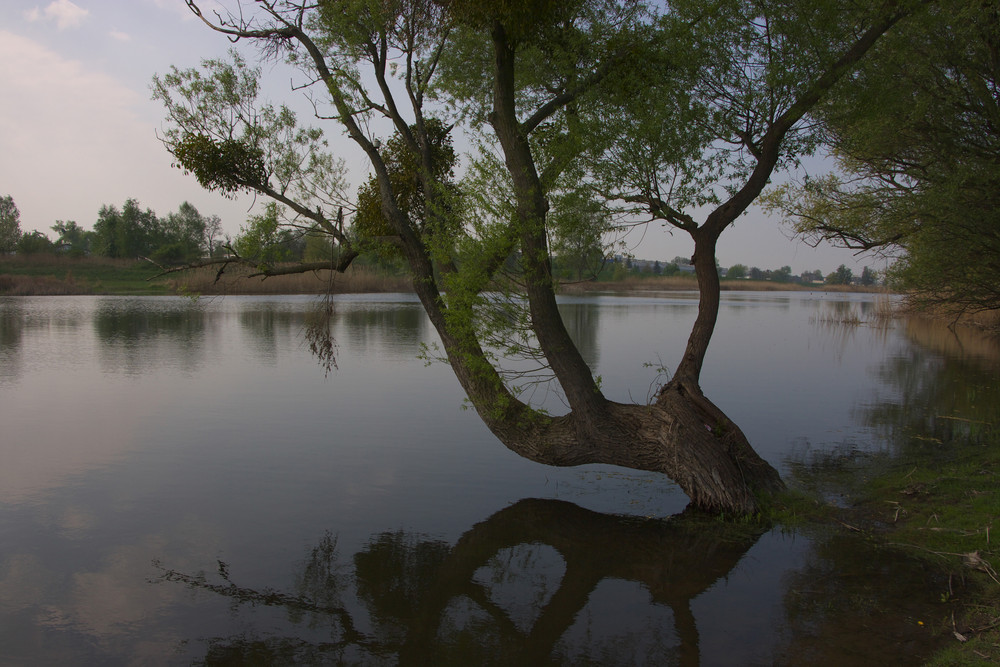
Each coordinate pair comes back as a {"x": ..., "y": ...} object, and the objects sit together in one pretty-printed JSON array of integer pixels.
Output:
[{"x": 180, "y": 483}]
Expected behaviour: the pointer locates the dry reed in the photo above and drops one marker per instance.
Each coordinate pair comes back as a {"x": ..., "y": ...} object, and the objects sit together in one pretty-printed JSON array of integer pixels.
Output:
[
  {"x": 237, "y": 280},
  {"x": 881, "y": 313},
  {"x": 17, "y": 285},
  {"x": 959, "y": 342},
  {"x": 689, "y": 283},
  {"x": 987, "y": 320}
]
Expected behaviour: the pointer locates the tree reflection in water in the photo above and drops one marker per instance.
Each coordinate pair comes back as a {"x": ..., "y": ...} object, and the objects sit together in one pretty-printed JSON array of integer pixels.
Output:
[
  {"x": 426, "y": 602},
  {"x": 854, "y": 600}
]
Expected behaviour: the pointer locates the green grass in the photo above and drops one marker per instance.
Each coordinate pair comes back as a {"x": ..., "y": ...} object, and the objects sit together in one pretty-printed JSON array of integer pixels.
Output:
[
  {"x": 936, "y": 508},
  {"x": 944, "y": 512},
  {"x": 947, "y": 509},
  {"x": 54, "y": 274},
  {"x": 35, "y": 275}
]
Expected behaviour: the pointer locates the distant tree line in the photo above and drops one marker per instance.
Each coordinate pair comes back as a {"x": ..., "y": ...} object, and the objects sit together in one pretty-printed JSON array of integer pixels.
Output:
[
  {"x": 595, "y": 266},
  {"x": 126, "y": 232},
  {"x": 182, "y": 237},
  {"x": 186, "y": 236},
  {"x": 841, "y": 276}
]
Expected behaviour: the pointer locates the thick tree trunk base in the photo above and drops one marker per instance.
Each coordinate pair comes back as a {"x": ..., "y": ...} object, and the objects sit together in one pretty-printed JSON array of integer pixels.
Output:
[
  {"x": 682, "y": 435},
  {"x": 711, "y": 458}
]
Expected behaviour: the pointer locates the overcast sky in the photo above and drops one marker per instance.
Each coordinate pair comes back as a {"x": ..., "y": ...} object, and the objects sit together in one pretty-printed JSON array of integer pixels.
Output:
[{"x": 78, "y": 128}]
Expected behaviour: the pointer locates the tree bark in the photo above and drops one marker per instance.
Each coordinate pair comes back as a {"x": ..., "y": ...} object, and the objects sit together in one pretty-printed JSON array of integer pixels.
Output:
[
  {"x": 682, "y": 435},
  {"x": 575, "y": 377}
]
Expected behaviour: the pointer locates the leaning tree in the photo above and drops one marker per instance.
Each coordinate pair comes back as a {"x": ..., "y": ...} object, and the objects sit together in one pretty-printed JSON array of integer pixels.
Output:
[{"x": 615, "y": 106}]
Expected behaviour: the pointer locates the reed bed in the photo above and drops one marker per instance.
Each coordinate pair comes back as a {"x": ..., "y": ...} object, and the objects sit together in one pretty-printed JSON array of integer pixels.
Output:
[
  {"x": 21, "y": 285},
  {"x": 689, "y": 283},
  {"x": 237, "y": 280},
  {"x": 958, "y": 342},
  {"x": 881, "y": 313},
  {"x": 987, "y": 320}
]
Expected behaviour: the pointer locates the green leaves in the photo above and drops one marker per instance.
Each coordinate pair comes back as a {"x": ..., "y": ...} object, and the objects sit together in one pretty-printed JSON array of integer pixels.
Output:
[
  {"x": 523, "y": 20},
  {"x": 262, "y": 240},
  {"x": 408, "y": 183},
  {"x": 233, "y": 141},
  {"x": 10, "y": 224},
  {"x": 228, "y": 166},
  {"x": 916, "y": 134}
]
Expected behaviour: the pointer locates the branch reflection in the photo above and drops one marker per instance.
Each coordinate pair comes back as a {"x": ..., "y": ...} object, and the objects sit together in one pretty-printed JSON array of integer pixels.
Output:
[{"x": 516, "y": 588}]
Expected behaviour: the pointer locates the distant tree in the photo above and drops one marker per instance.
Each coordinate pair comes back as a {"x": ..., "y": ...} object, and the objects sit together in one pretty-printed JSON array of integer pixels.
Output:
[
  {"x": 213, "y": 232},
  {"x": 181, "y": 236},
  {"x": 319, "y": 247},
  {"x": 579, "y": 224},
  {"x": 264, "y": 242},
  {"x": 10, "y": 224},
  {"x": 72, "y": 238},
  {"x": 619, "y": 271},
  {"x": 34, "y": 242},
  {"x": 737, "y": 271},
  {"x": 812, "y": 276},
  {"x": 782, "y": 275},
  {"x": 868, "y": 277},
  {"x": 842, "y": 276},
  {"x": 128, "y": 233},
  {"x": 757, "y": 274},
  {"x": 657, "y": 269}
]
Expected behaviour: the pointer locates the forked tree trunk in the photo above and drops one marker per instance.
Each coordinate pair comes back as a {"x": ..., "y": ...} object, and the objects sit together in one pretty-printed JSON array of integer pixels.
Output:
[{"x": 681, "y": 435}]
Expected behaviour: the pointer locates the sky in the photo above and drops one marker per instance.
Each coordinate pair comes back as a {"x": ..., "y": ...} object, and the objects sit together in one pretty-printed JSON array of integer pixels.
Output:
[{"x": 79, "y": 130}]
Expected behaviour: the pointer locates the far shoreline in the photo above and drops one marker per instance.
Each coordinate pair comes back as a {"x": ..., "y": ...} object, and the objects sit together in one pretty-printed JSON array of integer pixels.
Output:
[{"x": 52, "y": 275}]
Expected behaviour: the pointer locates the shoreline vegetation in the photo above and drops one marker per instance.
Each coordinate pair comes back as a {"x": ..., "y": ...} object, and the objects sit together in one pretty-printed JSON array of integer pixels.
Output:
[
  {"x": 928, "y": 497},
  {"x": 57, "y": 275},
  {"x": 51, "y": 275},
  {"x": 935, "y": 509}
]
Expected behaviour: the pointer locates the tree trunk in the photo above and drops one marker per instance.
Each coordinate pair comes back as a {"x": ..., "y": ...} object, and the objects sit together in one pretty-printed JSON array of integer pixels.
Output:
[{"x": 682, "y": 435}]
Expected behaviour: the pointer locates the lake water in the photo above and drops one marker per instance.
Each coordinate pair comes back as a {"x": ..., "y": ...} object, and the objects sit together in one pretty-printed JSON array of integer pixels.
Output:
[{"x": 181, "y": 483}]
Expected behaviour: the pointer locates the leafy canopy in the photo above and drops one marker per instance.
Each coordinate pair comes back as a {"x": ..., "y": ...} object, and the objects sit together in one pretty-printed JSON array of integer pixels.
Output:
[
  {"x": 917, "y": 133},
  {"x": 10, "y": 224}
]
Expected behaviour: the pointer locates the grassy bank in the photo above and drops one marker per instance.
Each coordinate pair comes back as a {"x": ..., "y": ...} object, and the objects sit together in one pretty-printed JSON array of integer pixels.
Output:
[
  {"x": 43, "y": 275},
  {"x": 28, "y": 275},
  {"x": 933, "y": 509}
]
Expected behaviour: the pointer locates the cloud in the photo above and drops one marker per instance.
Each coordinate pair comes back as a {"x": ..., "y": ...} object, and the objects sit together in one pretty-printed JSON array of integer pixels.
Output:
[
  {"x": 180, "y": 10},
  {"x": 63, "y": 12},
  {"x": 70, "y": 125},
  {"x": 120, "y": 36},
  {"x": 78, "y": 138}
]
